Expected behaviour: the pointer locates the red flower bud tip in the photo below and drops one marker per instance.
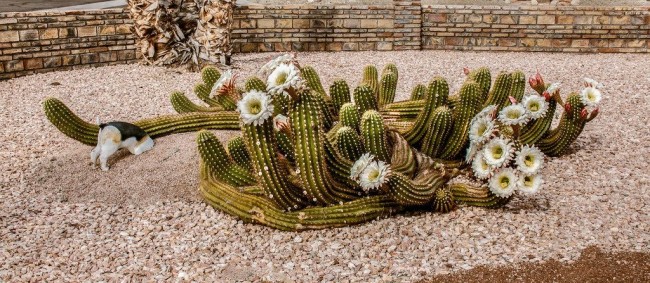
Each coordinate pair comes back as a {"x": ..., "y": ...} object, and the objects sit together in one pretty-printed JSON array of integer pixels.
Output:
[
  {"x": 532, "y": 82},
  {"x": 594, "y": 113},
  {"x": 466, "y": 71},
  {"x": 538, "y": 78},
  {"x": 512, "y": 100},
  {"x": 567, "y": 107},
  {"x": 584, "y": 113},
  {"x": 547, "y": 96}
]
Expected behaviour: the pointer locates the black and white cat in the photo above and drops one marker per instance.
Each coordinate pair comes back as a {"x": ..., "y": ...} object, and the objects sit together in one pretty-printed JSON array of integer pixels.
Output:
[{"x": 116, "y": 135}]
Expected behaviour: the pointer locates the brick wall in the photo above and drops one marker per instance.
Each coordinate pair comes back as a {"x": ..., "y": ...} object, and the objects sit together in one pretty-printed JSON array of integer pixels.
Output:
[
  {"x": 37, "y": 42},
  {"x": 536, "y": 28},
  {"x": 258, "y": 28}
]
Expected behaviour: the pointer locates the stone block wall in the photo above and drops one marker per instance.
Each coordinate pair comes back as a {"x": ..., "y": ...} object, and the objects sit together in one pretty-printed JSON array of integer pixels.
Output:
[
  {"x": 36, "y": 42},
  {"x": 536, "y": 28},
  {"x": 305, "y": 27}
]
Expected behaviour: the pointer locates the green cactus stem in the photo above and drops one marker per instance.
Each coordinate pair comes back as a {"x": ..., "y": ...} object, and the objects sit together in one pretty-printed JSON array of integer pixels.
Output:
[
  {"x": 390, "y": 68},
  {"x": 210, "y": 75},
  {"x": 339, "y": 169},
  {"x": 470, "y": 97},
  {"x": 437, "y": 131},
  {"x": 371, "y": 79},
  {"x": 254, "y": 83},
  {"x": 182, "y": 104},
  {"x": 365, "y": 99},
  {"x": 310, "y": 157},
  {"x": 403, "y": 111},
  {"x": 500, "y": 91},
  {"x": 340, "y": 93},
  {"x": 535, "y": 130},
  {"x": 256, "y": 209},
  {"x": 419, "y": 92},
  {"x": 437, "y": 94},
  {"x": 349, "y": 143},
  {"x": 403, "y": 158},
  {"x": 76, "y": 128},
  {"x": 326, "y": 114},
  {"x": 349, "y": 116},
  {"x": 285, "y": 145},
  {"x": 387, "y": 89},
  {"x": 262, "y": 147},
  {"x": 313, "y": 80},
  {"x": 407, "y": 192},
  {"x": 517, "y": 87},
  {"x": 215, "y": 157},
  {"x": 476, "y": 196},
  {"x": 557, "y": 140},
  {"x": 374, "y": 135},
  {"x": 239, "y": 153},
  {"x": 443, "y": 200},
  {"x": 483, "y": 77}
]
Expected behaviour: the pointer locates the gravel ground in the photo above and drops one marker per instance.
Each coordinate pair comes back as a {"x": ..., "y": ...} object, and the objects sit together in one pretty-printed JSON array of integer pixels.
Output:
[{"x": 62, "y": 219}]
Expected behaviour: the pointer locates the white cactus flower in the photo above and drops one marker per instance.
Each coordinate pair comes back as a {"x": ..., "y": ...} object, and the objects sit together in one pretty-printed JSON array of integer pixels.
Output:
[
  {"x": 481, "y": 169},
  {"x": 503, "y": 183},
  {"x": 514, "y": 114},
  {"x": 591, "y": 96},
  {"x": 497, "y": 152},
  {"x": 280, "y": 121},
  {"x": 282, "y": 78},
  {"x": 275, "y": 62},
  {"x": 255, "y": 107},
  {"x": 529, "y": 184},
  {"x": 223, "y": 79},
  {"x": 529, "y": 160},
  {"x": 375, "y": 175},
  {"x": 536, "y": 106},
  {"x": 487, "y": 113},
  {"x": 360, "y": 165},
  {"x": 471, "y": 151},
  {"x": 593, "y": 83},
  {"x": 553, "y": 88},
  {"x": 481, "y": 130}
]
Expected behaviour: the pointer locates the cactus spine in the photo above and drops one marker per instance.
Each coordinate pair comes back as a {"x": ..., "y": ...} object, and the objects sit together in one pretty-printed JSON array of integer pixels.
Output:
[
  {"x": 437, "y": 131},
  {"x": 388, "y": 87},
  {"x": 437, "y": 95},
  {"x": 409, "y": 193},
  {"x": 313, "y": 80},
  {"x": 349, "y": 143},
  {"x": 470, "y": 97},
  {"x": 518, "y": 87},
  {"x": 371, "y": 79},
  {"x": 340, "y": 93},
  {"x": 374, "y": 135},
  {"x": 239, "y": 153},
  {"x": 365, "y": 99},
  {"x": 500, "y": 91},
  {"x": 419, "y": 92},
  {"x": 349, "y": 116},
  {"x": 483, "y": 77}
]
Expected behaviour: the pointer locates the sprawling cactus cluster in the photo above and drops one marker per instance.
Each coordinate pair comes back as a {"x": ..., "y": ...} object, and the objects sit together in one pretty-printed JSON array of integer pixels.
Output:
[{"x": 309, "y": 159}]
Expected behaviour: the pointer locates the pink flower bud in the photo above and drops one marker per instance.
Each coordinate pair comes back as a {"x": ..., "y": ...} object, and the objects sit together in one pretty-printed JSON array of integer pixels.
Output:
[
  {"x": 567, "y": 107},
  {"x": 584, "y": 113},
  {"x": 466, "y": 71},
  {"x": 547, "y": 96},
  {"x": 512, "y": 100}
]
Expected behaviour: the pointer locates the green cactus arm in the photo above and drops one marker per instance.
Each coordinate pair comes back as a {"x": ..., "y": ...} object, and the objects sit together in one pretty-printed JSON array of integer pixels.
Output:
[
  {"x": 210, "y": 75},
  {"x": 255, "y": 209},
  {"x": 340, "y": 93},
  {"x": 203, "y": 92},
  {"x": 483, "y": 77},
  {"x": 332, "y": 135},
  {"x": 349, "y": 116},
  {"x": 403, "y": 158},
  {"x": 326, "y": 113},
  {"x": 74, "y": 127},
  {"x": 239, "y": 153},
  {"x": 443, "y": 200},
  {"x": 285, "y": 145},
  {"x": 261, "y": 144},
  {"x": 390, "y": 68},
  {"x": 470, "y": 97},
  {"x": 406, "y": 192},
  {"x": 437, "y": 94},
  {"x": 371, "y": 79},
  {"x": 182, "y": 104},
  {"x": 309, "y": 140},
  {"x": 254, "y": 83},
  {"x": 374, "y": 135},
  {"x": 419, "y": 92},
  {"x": 500, "y": 91},
  {"x": 387, "y": 89},
  {"x": 517, "y": 87},
  {"x": 535, "y": 130},
  {"x": 215, "y": 157},
  {"x": 365, "y": 99},
  {"x": 403, "y": 111},
  {"x": 476, "y": 196},
  {"x": 349, "y": 143},
  {"x": 313, "y": 80},
  {"x": 339, "y": 169},
  {"x": 437, "y": 131},
  {"x": 556, "y": 141}
]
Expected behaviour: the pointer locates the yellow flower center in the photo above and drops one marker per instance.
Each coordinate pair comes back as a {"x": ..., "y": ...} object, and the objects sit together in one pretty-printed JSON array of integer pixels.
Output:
[
  {"x": 484, "y": 165},
  {"x": 481, "y": 129},
  {"x": 513, "y": 114},
  {"x": 504, "y": 182},
  {"x": 373, "y": 175},
  {"x": 254, "y": 106},
  {"x": 528, "y": 181},
  {"x": 529, "y": 160},
  {"x": 282, "y": 78},
  {"x": 533, "y": 107},
  {"x": 591, "y": 96},
  {"x": 497, "y": 152}
]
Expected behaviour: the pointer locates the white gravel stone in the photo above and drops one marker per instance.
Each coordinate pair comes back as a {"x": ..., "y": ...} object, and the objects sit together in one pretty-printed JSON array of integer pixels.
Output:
[{"x": 62, "y": 220}]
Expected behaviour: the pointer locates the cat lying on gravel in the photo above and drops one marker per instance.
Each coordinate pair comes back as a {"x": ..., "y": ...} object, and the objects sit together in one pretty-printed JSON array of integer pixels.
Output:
[{"x": 115, "y": 135}]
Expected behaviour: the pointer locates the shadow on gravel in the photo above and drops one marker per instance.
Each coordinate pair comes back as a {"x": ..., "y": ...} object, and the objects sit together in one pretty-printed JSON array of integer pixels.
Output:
[{"x": 592, "y": 266}]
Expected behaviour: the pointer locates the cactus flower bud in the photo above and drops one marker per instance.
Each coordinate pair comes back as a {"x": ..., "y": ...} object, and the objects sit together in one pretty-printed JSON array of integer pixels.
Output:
[
  {"x": 584, "y": 113},
  {"x": 512, "y": 100},
  {"x": 466, "y": 71},
  {"x": 567, "y": 107}
]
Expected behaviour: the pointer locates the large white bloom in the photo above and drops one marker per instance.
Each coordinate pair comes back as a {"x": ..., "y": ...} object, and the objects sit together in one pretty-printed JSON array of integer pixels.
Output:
[
  {"x": 529, "y": 160},
  {"x": 503, "y": 183},
  {"x": 225, "y": 78},
  {"x": 514, "y": 114},
  {"x": 487, "y": 112},
  {"x": 255, "y": 107},
  {"x": 591, "y": 96},
  {"x": 375, "y": 175},
  {"x": 553, "y": 88},
  {"x": 271, "y": 65},
  {"x": 481, "y": 169},
  {"x": 593, "y": 83},
  {"x": 529, "y": 184},
  {"x": 497, "y": 152},
  {"x": 536, "y": 106},
  {"x": 283, "y": 77},
  {"x": 280, "y": 121},
  {"x": 360, "y": 165},
  {"x": 481, "y": 130}
]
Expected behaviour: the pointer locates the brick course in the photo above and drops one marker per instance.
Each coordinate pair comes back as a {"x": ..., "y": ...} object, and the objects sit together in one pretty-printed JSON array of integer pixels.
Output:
[{"x": 36, "y": 42}]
